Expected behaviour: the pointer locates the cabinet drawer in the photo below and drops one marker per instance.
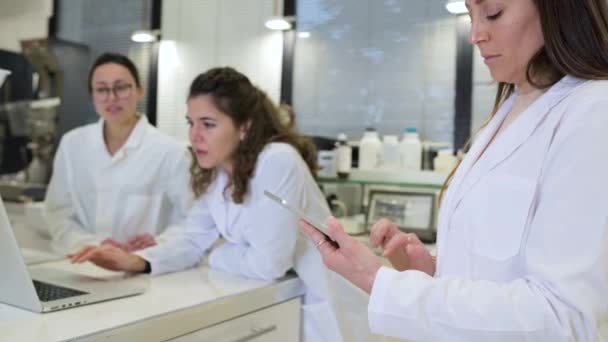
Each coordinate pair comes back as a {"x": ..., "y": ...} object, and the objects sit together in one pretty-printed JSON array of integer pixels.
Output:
[{"x": 278, "y": 323}]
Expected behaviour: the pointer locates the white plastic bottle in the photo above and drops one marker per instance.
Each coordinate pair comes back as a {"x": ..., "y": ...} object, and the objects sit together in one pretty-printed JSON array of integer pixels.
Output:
[
  {"x": 327, "y": 163},
  {"x": 370, "y": 149},
  {"x": 445, "y": 161},
  {"x": 343, "y": 156},
  {"x": 390, "y": 152},
  {"x": 411, "y": 150}
]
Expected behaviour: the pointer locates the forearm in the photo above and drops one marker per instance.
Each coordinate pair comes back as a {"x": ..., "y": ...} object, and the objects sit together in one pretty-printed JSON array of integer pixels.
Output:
[
  {"x": 246, "y": 261},
  {"x": 177, "y": 253},
  {"x": 415, "y": 306}
]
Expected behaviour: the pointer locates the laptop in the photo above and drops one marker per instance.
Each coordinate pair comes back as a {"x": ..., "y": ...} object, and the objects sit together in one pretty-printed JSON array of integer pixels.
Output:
[{"x": 50, "y": 288}]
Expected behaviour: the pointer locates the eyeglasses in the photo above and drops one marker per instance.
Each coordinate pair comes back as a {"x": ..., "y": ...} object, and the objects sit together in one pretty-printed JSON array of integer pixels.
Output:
[{"x": 121, "y": 91}]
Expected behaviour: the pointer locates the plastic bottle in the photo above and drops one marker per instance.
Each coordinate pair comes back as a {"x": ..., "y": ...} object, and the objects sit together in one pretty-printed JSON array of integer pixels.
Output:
[
  {"x": 343, "y": 156},
  {"x": 327, "y": 163},
  {"x": 411, "y": 150},
  {"x": 36, "y": 171},
  {"x": 445, "y": 161},
  {"x": 370, "y": 149},
  {"x": 390, "y": 152}
]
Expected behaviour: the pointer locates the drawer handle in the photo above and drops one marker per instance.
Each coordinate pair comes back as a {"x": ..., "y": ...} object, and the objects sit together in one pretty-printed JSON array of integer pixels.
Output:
[{"x": 255, "y": 333}]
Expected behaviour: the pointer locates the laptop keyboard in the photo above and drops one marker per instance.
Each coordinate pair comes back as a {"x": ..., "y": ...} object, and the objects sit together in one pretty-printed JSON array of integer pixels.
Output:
[{"x": 49, "y": 292}]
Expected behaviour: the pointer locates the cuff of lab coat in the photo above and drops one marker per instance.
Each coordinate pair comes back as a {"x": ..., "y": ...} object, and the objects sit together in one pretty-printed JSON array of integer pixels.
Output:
[
  {"x": 380, "y": 292},
  {"x": 392, "y": 303},
  {"x": 148, "y": 255}
]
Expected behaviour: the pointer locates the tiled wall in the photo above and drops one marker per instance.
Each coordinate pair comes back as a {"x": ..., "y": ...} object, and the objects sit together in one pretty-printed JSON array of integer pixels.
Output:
[
  {"x": 388, "y": 64},
  {"x": 200, "y": 34},
  {"x": 107, "y": 26}
]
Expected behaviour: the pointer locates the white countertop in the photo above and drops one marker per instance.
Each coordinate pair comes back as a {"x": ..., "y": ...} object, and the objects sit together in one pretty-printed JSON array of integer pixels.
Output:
[
  {"x": 202, "y": 295},
  {"x": 27, "y": 237},
  {"x": 174, "y": 304}
]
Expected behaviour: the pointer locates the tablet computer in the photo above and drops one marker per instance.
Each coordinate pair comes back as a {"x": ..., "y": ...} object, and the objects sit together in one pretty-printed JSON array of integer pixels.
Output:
[{"x": 302, "y": 215}]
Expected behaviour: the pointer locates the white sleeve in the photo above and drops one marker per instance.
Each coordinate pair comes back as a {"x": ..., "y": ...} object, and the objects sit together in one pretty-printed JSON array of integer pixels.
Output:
[
  {"x": 272, "y": 235},
  {"x": 179, "y": 192},
  {"x": 564, "y": 295},
  {"x": 64, "y": 222},
  {"x": 184, "y": 246}
]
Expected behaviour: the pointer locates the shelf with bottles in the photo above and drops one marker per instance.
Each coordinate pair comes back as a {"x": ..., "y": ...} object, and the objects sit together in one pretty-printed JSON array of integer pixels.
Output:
[
  {"x": 423, "y": 179},
  {"x": 408, "y": 198}
]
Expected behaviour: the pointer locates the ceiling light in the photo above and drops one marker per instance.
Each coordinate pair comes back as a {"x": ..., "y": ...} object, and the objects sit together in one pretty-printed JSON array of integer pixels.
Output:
[
  {"x": 145, "y": 36},
  {"x": 456, "y": 7},
  {"x": 278, "y": 23},
  {"x": 303, "y": 34}
]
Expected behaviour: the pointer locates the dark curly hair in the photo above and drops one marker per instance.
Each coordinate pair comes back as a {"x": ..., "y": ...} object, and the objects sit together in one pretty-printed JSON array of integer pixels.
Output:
[{"x": 236, "y": 96}]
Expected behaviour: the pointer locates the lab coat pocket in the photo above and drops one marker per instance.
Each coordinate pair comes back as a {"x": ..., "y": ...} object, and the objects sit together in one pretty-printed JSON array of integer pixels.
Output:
[
  {"x": 141, "y": 213},
  {"x": 503, "y": 213}
]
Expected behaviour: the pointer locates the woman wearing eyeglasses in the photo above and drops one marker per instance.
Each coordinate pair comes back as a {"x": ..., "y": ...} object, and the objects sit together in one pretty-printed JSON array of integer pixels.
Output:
[{"x": 118, "y": 181}]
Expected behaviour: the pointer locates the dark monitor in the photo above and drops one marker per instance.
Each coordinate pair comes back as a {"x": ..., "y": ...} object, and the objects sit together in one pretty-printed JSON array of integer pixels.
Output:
[{"x": 18, "y": 85}]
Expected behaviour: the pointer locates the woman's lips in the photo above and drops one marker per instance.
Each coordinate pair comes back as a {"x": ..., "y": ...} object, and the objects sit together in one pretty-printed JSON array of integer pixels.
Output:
[
  {"x": 200, "y": 153},
  {"x": 114, "y": 109},
  {"x": 489, "y": 58}
]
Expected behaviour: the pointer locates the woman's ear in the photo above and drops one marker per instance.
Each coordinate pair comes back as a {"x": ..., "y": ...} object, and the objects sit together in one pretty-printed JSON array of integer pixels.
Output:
[
  {"x": 244, "y": 129},
  {"x": 140, "y": 92}
]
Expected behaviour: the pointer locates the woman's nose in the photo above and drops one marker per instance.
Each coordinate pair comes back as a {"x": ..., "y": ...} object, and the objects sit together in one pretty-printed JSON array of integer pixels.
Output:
[
  {"x": 478, "y": 33},
  {"x": 195, "y": 135}
]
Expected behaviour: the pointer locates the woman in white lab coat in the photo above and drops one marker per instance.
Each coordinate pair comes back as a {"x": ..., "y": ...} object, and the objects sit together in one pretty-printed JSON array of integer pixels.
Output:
[
  {"x": 118, "y": 181},
  {"x": 522, "y": 246},
  {"x": 240, "y": 150}
]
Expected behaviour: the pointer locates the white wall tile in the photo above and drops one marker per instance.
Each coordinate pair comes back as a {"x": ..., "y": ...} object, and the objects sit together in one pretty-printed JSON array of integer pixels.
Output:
[
  {"x": 201, "y": 34},
  {"x": 375, "y": 63}
]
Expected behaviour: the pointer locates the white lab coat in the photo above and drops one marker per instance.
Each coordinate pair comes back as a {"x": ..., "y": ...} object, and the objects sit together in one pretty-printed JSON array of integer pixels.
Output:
[
  {"x": 262, "y": 240},
  {"x": 522, "y": 235},
  {"x": 143, "y": 188}
]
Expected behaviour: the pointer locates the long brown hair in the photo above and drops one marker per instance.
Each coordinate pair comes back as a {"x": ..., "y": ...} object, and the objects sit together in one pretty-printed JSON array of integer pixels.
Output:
[
  {"x": 576, "y": 44},
  {"x": 245, "y": 104}
]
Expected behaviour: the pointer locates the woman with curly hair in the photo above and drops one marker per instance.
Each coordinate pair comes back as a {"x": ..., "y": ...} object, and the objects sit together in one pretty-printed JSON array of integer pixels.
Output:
[{"x": 241, "y": 149}]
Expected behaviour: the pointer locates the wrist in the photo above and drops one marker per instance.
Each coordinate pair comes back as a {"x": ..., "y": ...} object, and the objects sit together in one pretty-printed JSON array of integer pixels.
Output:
[
  {"x": 370, "y": 279},
  {"x": 137, "y": 264}
]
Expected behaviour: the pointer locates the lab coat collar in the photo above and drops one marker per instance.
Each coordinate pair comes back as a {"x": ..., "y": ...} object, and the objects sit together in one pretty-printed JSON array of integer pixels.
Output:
[
  {"x": 473, "y": 168},
  {"x": 216, "y": 188},
  {"x": 137, "y": 135},
  {"x": 133, "y": 141}
]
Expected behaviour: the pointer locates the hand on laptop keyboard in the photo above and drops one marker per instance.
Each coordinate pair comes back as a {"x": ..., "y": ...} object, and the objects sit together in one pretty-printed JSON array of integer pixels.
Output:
[{"x": 109, "y": 257}]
